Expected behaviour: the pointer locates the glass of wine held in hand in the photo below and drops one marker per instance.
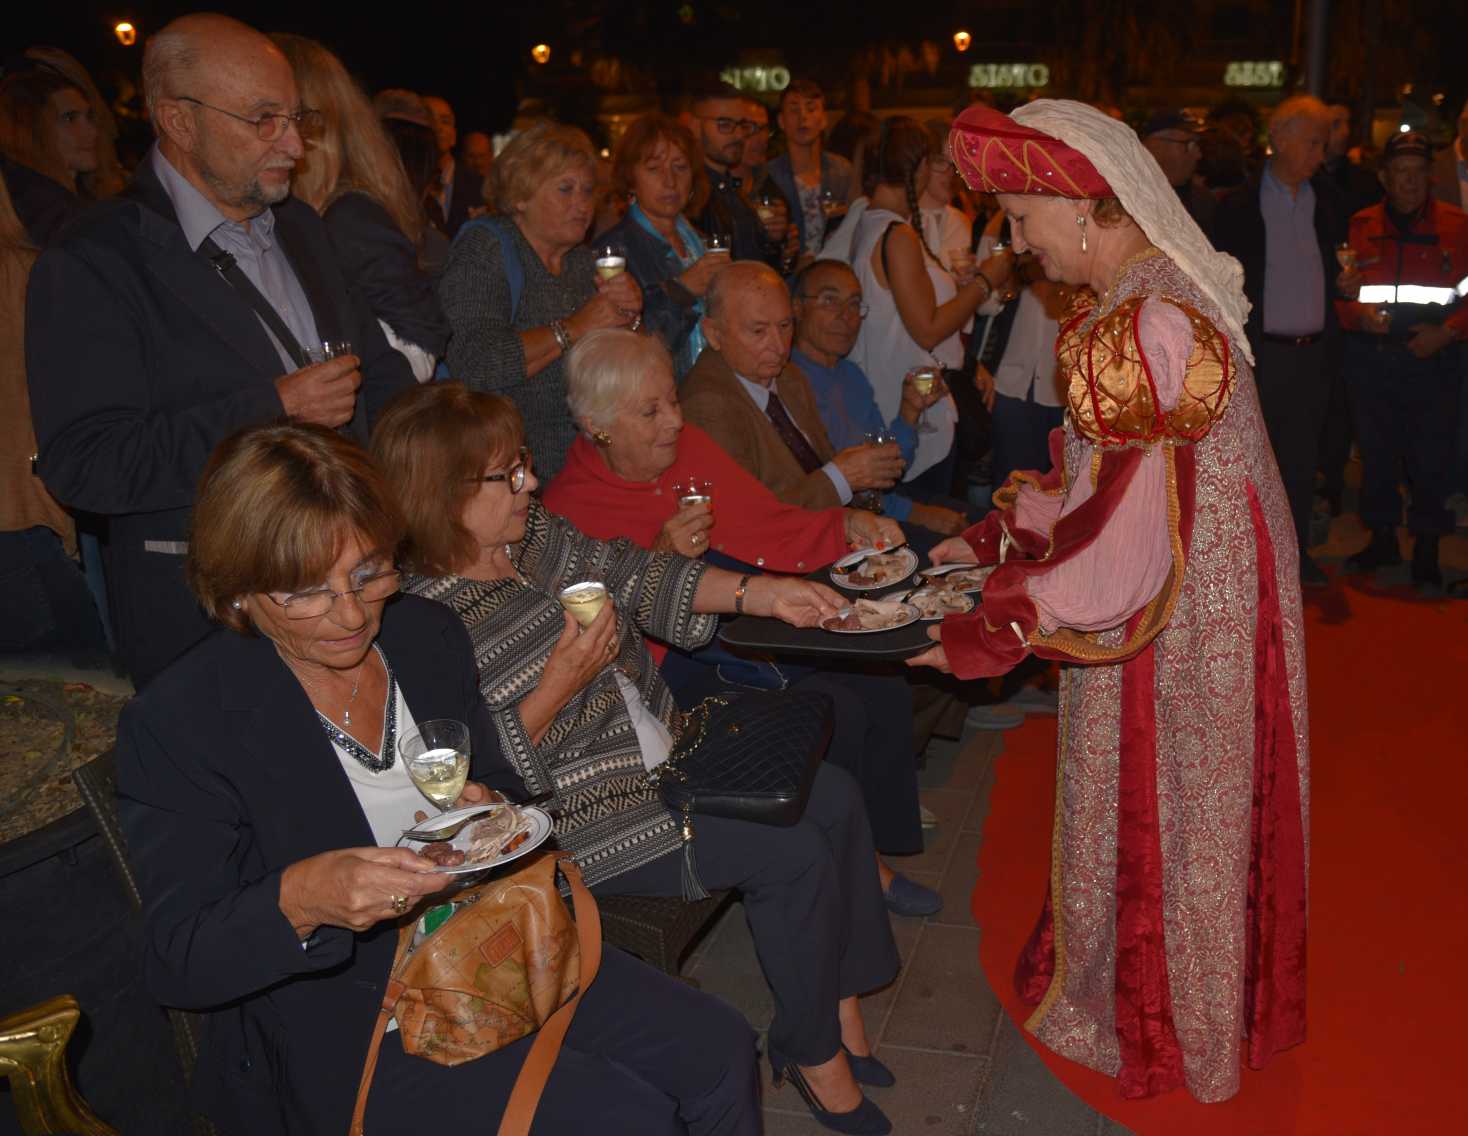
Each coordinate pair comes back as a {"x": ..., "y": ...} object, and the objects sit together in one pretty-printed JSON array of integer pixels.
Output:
[{"x": 436, "y": 756}]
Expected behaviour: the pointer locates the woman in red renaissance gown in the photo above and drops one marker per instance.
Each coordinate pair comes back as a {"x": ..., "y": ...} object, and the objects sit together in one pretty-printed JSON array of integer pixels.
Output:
[{"x": 1155, "y": 562}]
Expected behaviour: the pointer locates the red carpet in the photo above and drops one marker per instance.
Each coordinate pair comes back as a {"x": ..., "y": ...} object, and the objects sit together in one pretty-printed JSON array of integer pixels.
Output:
[{"x": 1388, "y": 916}]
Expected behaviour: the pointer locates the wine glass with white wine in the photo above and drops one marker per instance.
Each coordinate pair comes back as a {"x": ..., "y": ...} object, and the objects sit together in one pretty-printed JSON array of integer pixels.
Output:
[{"x": 436, "y": 756}]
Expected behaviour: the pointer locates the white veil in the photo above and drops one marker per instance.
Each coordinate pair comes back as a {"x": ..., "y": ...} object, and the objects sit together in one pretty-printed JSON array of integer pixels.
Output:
[{"x": 1138, "y": 182}]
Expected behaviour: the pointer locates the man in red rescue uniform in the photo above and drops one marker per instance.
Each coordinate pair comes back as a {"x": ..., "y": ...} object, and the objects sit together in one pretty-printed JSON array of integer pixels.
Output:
[{"x": 1406, "y": 325}]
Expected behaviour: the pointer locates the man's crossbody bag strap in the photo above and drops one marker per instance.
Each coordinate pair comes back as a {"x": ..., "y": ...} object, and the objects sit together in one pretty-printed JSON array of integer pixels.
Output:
[{"x": 226, "y": 265}]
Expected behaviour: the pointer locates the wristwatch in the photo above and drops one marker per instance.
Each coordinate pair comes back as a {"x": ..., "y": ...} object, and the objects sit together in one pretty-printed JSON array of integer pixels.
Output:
[{"x": 739, "y": 592}]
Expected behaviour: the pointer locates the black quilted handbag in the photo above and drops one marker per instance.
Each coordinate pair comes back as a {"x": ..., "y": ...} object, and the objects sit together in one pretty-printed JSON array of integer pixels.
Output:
[{"x": 750, "y": 758}]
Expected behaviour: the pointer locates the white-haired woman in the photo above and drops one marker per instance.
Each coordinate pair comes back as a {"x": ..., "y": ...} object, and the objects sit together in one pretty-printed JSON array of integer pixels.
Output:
[
  {"x": 621, "y": 480},
  {"x": 1160, "y": 559},
  {"x": 520, "y": 288}
]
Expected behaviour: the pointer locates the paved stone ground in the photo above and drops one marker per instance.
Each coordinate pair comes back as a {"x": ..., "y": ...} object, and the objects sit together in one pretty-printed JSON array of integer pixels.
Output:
[{"x": 961, "y": 1067}]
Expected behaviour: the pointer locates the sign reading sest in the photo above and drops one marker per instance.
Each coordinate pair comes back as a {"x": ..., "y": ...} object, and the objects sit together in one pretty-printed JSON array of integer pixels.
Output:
[
  {"x": 757, "y": 78},
  {"x": 1008, "y": 75},
  {"x": 1259, "y": 73}
]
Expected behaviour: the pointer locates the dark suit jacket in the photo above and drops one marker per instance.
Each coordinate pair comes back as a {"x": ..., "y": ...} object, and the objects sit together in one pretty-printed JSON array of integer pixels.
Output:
[
  {"x": 380, "y": 261},
  {"x": 1238, "y": 229},
  {"x": 714, "y": 399},
  {"x": 43, "y": 206},
  {"x": 224, "y": 779},
  {"x": 468, "y": 193},
  {"x": 141, "y": 358}
]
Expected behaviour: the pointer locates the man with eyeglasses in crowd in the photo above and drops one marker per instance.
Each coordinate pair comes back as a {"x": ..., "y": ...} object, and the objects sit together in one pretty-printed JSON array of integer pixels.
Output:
[
  {"x": 828, "y": 313},
  {"x": 719, "y": 116},
  {"x": 1174, "y": 138},
  {"x": 812, "y": 180},
  {"x": 186, "y": 309}
]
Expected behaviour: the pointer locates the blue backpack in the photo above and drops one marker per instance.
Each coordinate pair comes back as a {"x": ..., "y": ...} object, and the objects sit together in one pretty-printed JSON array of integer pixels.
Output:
[{"x": 499, "y": 230}]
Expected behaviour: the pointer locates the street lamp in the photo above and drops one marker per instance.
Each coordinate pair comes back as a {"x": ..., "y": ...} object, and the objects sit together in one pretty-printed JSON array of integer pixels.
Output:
[
  {"x": 540, "y": 53},
  {"x": 126, "y": 34},
  {"x": 961, "y": 40}
]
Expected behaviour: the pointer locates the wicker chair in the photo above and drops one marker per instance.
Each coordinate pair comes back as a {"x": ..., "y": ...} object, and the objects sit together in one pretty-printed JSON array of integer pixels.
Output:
[
  {"x": 657, "y": 930},
  {"x": 96, "y": 781}
]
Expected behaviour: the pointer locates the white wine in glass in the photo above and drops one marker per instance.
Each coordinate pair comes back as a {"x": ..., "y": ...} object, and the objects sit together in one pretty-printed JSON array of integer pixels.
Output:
[
  {"x": 437, "y": 759},
  {"x": 584, "y": 601}
]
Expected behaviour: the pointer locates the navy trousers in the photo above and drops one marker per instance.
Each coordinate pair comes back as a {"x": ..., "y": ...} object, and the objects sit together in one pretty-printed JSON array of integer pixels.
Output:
[
  {"x": 1022, "y": 435},
  {"x": 813, "y": 902},
  {"x": 645, "y": 1055},
  {"x": 1406, "y": 415}
]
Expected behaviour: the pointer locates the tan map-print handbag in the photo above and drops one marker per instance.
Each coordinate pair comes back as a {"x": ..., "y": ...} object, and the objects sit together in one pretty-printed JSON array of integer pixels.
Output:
[{"x": 508, "y": 964}]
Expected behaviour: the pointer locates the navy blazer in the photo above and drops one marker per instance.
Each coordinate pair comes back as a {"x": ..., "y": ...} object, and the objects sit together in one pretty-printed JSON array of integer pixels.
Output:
[
  {"x": 141, "y": 358},
  {"x": 837, "y": 175},
  {"x": 1238, "y": 229},
  {"x": 224, "y": 779}
]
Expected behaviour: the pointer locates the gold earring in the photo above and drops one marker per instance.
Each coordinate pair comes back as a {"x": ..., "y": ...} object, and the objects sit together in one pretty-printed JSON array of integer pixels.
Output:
[
  {"x": 602, "y": 438},
  {"x": 1081, "y": 221}
]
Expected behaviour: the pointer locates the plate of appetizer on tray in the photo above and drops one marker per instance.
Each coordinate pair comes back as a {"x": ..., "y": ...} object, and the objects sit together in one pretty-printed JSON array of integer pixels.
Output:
[
  {"x": 875, "y": 570},
  {"x": 867, "y": 616}
]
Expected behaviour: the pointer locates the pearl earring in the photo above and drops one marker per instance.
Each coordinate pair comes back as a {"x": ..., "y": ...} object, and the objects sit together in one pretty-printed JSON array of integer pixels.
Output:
[
  {"x": 237, "y": 605},
  {"x": 1081, "y": 221}
]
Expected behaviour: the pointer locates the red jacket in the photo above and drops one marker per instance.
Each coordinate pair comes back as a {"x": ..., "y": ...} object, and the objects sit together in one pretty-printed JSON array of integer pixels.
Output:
[{"x": 1435, "y": 255}]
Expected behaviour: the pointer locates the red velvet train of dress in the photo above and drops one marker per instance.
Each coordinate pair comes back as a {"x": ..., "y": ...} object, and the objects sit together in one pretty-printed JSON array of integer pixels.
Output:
[{"x": 1171, "y": 945}]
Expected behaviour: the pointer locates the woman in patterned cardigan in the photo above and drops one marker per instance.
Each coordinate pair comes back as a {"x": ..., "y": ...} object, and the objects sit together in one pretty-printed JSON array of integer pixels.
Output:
[{"x": 584, "y": 714}]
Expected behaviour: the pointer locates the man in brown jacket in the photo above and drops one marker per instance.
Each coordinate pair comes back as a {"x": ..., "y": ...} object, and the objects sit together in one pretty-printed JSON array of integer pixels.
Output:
[{"x": 759, "y": 407}]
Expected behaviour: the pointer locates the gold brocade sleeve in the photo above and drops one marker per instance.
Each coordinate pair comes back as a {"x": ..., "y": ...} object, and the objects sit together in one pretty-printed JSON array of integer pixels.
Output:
[{"x": 1110, "y": 388}]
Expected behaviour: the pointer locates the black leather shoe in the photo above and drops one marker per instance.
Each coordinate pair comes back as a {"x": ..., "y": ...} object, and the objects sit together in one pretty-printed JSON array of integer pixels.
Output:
[
  {"x": 870, "y": 1071},
  {"x": 1382, "y": 552},
  {"x": 866, "y": 1119}
]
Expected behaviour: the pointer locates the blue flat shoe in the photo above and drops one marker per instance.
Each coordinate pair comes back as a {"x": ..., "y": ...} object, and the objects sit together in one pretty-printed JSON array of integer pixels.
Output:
[
  {"x": 907, "y": 898},
  {"x": 869, "y": 1071},
  {"x": 866, "y": 1119}
]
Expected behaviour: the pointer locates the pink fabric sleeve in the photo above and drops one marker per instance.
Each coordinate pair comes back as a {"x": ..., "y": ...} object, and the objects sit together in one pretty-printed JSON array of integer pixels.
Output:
[{"x": 1127, "y": 564}]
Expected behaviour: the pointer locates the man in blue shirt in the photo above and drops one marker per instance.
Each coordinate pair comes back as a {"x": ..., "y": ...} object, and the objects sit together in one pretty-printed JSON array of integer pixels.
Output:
[{"x": 828, "y": 315}]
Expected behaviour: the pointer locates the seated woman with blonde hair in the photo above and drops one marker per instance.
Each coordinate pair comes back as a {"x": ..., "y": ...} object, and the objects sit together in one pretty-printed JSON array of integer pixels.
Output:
[{"x": 584, "y": 714}]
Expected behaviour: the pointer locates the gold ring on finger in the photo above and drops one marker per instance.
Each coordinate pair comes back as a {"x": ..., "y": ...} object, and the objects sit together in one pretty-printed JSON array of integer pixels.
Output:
[{"x": 399, "y": 903}]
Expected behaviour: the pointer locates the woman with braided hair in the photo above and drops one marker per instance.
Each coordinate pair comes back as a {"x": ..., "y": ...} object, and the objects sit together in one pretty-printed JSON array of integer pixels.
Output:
[
  {"x": 1156, "y": 560},
  {"x": 917, "y": 306}
]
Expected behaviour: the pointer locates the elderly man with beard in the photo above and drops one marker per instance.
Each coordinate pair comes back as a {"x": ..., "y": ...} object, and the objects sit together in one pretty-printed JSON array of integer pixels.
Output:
[{"x": 190, "y": 307}]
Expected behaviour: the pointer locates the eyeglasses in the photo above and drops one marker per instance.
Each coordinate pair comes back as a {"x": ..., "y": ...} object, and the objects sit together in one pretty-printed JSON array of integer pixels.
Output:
[
  {"x": 515, "y": 475},
  {"x": 745, "y": 126},
  {"x": 836, "y": 304},
  {"x": 317, "y": 602},
  {"x": 269, "y": 127}
]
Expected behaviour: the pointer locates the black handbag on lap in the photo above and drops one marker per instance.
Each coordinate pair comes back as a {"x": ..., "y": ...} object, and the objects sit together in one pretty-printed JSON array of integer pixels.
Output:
[{"x": 750, "y": 758}]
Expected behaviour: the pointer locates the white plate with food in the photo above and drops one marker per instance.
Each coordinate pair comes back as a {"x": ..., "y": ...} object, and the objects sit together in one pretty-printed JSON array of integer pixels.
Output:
[
  {"x": 868, "y": 616},
  {"x": 880, "y": 570},
  {"x": 935, "y": 603},
  {"x": 968, "y": 579},
  {"x": 496, "y": 838}
]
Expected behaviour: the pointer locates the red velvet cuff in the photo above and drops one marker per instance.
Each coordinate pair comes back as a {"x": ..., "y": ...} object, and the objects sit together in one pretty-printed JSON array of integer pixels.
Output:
[{"x": 984, "y": 643}]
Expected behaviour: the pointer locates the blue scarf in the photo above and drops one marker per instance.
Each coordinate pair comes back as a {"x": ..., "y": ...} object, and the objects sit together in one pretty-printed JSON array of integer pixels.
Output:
[{"x": 694, "y": 244}]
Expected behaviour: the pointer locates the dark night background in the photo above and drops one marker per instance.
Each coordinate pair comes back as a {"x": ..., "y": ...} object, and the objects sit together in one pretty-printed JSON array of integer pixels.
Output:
[{"x": 1129, "y": 52}]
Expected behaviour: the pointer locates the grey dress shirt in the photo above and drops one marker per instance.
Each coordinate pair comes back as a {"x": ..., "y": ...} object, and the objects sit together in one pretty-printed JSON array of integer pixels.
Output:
[
  {"x": 1294, "y": 277},
  {"x": 253, "y": 245}
]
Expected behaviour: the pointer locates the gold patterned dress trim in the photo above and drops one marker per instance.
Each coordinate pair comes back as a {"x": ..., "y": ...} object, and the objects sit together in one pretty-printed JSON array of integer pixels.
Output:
[{"x": 1110, "y": 391}]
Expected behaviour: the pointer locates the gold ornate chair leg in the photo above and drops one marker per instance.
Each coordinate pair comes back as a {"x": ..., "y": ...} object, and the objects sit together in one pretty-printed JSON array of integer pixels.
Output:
[{"x": 33, "y": 1056}]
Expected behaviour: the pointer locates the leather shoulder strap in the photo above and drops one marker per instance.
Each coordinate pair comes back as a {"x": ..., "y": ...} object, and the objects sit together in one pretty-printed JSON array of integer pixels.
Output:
[{"x": 520, "y": 1110}]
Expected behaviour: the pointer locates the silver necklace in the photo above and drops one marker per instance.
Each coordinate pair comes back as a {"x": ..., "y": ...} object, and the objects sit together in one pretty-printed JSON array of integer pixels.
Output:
[{"x": 356, "y": 684}]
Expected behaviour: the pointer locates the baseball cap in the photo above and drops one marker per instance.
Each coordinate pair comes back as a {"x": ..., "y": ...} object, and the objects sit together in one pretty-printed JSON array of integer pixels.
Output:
[
  {"x": 1410, "y": 144},
  {"x": 1170, "y": 120}
]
